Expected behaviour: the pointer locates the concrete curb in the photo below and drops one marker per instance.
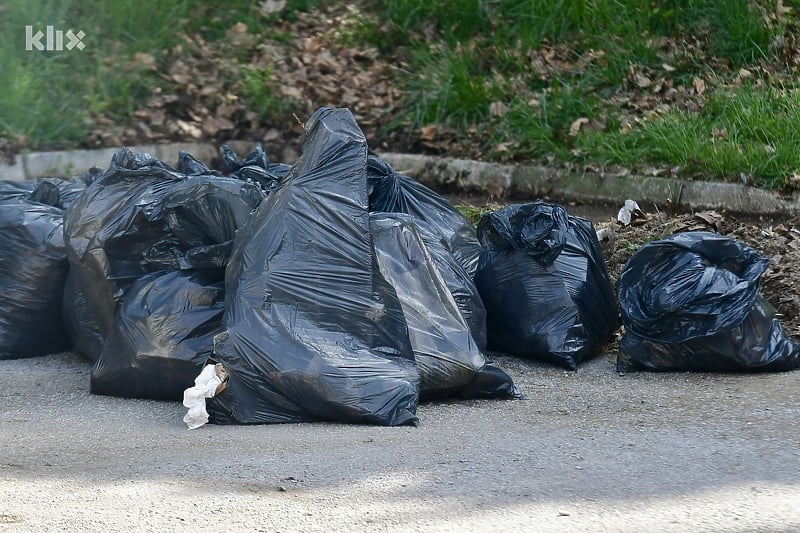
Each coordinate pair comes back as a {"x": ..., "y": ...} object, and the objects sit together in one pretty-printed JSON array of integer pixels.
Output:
[
  {"x": 467, "y": 176},
  {"x": 526, "y": 181}
]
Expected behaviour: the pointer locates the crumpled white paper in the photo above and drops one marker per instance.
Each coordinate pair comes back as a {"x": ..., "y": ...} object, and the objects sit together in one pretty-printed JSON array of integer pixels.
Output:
[{"x": 210, "y": 381}]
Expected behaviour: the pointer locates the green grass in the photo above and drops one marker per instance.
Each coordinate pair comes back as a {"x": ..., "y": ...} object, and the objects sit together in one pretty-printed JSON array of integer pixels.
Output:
[
  {"x": 513, "y": 76},
  {"x": 750, "y": 134},
  {"x": 474, "y": 213},
  {"x": 467, "y": 54},
  {"x": 255, "y": 87},
  {"x": 51, "y": 98}
]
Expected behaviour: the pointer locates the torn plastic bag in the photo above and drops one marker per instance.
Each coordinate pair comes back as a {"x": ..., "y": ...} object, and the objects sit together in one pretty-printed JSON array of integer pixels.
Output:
[
  {"x": 162, "y": 336},
  {"x": 83, "y": 330},
  {"x": 449, "y": 360},
  {"x": 448, "y": 235},
  {"x": 391, "y": 192},
  {"x": 545, "y": 285},
  {"x": 143, "y": 216},
  {"x": 33, "y": 269},
  {"x": 255, "y": 167},
  {"x": 691, "y": 302},
  {"x": 313, "y": 330}
]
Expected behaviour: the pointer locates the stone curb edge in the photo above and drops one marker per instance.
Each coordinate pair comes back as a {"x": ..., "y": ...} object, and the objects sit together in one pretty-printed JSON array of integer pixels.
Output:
[{"x": 467, "y": 176}]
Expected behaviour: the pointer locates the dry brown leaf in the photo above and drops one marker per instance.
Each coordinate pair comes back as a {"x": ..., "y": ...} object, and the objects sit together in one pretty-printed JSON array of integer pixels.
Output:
[
  {"x": 291, "y": 92},
  {"x": 575, "y": 127},
  {"x": 145, "y": 130},
  {"x": 498, "y": 109},
  {"x": 157, "y": 117},
  {"x": 208, "y": 90},
  {"x": 188, "y": 128},
  {"x": 719, "y": 133},
  {"x": 709, "y": 217},
  {"x": 428, "y": 133},
  {"x": 699, "y": 85},
  {"x": 781, "y": 11},
  {"x": 145, "y": 61},
  {"x": 238, "y": 35},
  {"x": 642, "y": 81},
  {"x": 238, "y": 28},
  {"x": 214, "y": 125}
]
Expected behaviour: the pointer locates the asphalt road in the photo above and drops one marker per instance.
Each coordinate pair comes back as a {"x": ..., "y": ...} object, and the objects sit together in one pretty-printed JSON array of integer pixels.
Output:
[{"x": 586, "y": 451}]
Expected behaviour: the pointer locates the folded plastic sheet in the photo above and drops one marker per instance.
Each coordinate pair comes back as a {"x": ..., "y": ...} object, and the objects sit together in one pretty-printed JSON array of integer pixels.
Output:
[
  {"x": 691, "y": 302},
  {"x": 544, "y": 284},
  {"x": 52, "y": 191},
  {"x": 449, "y": 361},
  {"x": 314, "y": 332},
  {"x": 62, "y": 193}
]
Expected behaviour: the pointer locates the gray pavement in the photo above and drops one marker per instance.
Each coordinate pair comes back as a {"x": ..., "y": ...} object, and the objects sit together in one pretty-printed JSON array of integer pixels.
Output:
[{"x": 586, "y": 451}]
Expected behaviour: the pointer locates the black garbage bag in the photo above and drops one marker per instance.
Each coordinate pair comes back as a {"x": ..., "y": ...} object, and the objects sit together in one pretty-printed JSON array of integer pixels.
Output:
[
  {"x": 162, "y": 336},
  {"x": 82, "y": 328},
  {"x": 61, "y": 192},
  {"x": 56, "y": 192},
  {"x": 16, "y": 189},
  {"x": 313, "y": 330},
  {"x": 255, "y": 167},
  {"x": 143, "y": 216},
  {"x": 199, "y": 218},
  {"x": 459, "y": 283},
  {"x": 191, "y": 166},
  {"x": 691, "y": 302},
  {"x": 448, "y": 235},
  {"x": 391, "y": 192},
  {"x": 449, "y": 360},
  {"x": 148, "y": 246},
  {"x": 545, "y": 285},
  {"x": 33, "y": 269}
]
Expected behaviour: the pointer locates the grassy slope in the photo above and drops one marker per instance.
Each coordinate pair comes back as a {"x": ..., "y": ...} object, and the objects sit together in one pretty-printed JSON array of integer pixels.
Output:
[{"x": 702, "y": 86}]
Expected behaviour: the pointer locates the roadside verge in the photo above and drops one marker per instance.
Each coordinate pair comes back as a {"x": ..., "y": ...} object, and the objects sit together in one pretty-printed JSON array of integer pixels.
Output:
[{"x": 474, "y": 177}]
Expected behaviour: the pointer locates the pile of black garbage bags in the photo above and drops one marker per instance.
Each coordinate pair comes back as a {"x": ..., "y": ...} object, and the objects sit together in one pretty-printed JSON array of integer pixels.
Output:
[{"x": 337, "y": 289}]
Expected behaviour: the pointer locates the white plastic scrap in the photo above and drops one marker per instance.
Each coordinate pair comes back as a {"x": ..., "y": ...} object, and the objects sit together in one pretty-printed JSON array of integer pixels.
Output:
[
  {"x": 629, "y": 211},
  {"x": 210, "y": 382}
]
